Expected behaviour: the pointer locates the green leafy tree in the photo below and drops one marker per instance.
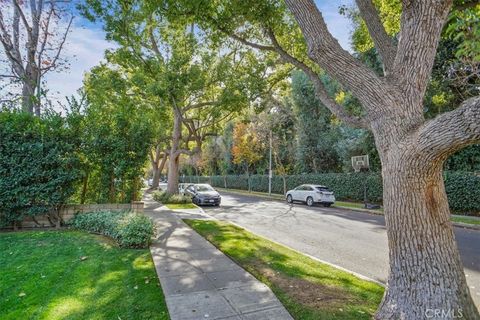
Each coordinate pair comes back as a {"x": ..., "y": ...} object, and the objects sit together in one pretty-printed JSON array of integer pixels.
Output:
[
  {"x": 200, "y": 82},
  {"x": 118, "y": 134},
  {"x": 316, "y": 135}
]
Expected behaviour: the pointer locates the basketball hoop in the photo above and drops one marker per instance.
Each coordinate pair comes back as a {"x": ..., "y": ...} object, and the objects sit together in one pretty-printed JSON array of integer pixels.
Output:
[{"x": 360, "y": 163}]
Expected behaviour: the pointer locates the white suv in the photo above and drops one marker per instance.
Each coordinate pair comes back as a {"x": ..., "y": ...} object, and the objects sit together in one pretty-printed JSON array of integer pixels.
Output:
[{"x": 311, "y": 194}]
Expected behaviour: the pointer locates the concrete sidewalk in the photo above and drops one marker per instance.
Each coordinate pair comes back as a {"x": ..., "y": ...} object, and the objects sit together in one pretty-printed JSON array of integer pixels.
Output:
[{"x": 198, "y": 280}]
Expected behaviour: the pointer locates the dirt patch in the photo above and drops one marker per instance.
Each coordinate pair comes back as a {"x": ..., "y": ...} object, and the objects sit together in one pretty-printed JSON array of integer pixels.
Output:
[{"x": 310, "y": 294}]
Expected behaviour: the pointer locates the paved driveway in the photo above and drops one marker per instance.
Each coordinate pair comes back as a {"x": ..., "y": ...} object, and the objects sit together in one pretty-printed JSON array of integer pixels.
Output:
[{"x": 353, "y": 240}]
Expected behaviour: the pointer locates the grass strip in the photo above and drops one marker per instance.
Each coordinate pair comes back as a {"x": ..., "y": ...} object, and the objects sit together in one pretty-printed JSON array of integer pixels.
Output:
[
  {"x": 174, "y": 206},
  {"x": 307, "y": 288}
]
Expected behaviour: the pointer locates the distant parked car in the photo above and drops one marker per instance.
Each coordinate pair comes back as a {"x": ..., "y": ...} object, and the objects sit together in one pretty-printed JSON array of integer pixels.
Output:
[
  {"x": 162, "y": 186},
  {"x": 150, "y": 182},
  {"x": 182, "y": 187},
  {"x": 203, "y": 194},
  {"x": 311, "y": 194}
]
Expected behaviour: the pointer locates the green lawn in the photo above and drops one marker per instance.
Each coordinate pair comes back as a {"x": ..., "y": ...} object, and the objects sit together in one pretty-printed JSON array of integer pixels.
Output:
[
  {"x": 307, "y": 288},
  {"x": 466, "y": 220},
  {"x": 355, "y": 205},
  {"x": 181, "y": 206},
  {"x": 75, "y": 275}
]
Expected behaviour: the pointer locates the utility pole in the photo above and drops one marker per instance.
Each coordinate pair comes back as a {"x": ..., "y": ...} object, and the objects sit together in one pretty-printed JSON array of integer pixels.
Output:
[{"x": 270, "y": 167}]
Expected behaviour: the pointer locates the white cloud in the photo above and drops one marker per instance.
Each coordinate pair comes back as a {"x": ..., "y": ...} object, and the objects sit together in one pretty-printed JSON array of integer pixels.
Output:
[{"x": 85, "y": 48}]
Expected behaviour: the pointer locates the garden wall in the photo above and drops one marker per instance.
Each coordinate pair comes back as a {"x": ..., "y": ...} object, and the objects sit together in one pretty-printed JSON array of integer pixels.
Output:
[
  {"x": 69, "y": 211},
  {"x": 463, "y": 188}
]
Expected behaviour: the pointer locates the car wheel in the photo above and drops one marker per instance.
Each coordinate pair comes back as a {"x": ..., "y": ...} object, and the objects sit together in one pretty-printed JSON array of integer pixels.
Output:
[
  {"x": 289, "y": 198},
  {"x": 309, "y": 201},
  {"x": 327, "y": 205}
]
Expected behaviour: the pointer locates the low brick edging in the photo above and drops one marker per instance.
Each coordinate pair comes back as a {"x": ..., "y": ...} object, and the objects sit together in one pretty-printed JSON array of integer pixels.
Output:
[{"x": 69, "y": 211}]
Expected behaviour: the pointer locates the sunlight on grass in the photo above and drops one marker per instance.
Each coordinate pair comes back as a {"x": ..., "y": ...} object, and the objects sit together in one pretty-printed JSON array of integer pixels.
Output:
[
  {"x": 63, "y": 308},
  {"x": 307, "y": 288},
  {"x": 143, "y": 262},
  {"x": 112, "y": 276},
  {"x": 466, "y": 220},
  {"x": 176, "y": 206},
  {"x": 44, "y": 277}
]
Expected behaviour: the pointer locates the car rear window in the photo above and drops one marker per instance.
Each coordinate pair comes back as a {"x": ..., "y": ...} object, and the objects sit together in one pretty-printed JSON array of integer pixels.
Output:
[
  {"x": 204, "y": 188},
  {"x": 322, "y": 189}
]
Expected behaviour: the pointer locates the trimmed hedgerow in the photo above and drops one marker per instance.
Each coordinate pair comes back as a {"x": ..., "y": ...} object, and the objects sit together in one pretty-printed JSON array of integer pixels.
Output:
[
  {"x": 167, "y": 198},
  {"x": 463, "y": 188},
  {"x": 463, "y": 191},
  {"x": 128, "y": 229}
]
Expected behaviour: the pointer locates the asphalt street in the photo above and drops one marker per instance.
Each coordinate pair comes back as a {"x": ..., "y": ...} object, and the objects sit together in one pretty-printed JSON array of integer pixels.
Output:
[{"x": 353, "y": 240}]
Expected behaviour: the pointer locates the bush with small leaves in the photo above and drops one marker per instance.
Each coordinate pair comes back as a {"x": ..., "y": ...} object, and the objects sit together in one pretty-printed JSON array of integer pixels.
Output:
[
  {"x": 128, "y": 229},
  {"x": 167, "y": 198}
]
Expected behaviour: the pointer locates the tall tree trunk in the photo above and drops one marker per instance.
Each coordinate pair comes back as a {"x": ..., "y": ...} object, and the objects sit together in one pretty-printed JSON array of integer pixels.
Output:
[
  {"x": 157, "y": 167},
  {"x": 84, "y": 189},
  {"x": 111, "y": 193},
  {"x": 173, "y": 175},
  {"x": 426, "y": 278},
  {"x": 173, "y": 164},
  {"x": 28, "y": 91}
]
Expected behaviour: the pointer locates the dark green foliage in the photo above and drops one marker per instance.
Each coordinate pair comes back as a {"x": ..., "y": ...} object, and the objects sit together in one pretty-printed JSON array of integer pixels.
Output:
[
  {"x": 315, "y": 133},
  {"x": 117, "y": 133},
  {"x": 463, "y": 191},
  {"x": 128, "y": 229},
  {"x": 38, "y": 165},
  {"x": 463, "y": 188},
  {"x": 467, "y": 159},
  {"x": 167, "y": 198}
]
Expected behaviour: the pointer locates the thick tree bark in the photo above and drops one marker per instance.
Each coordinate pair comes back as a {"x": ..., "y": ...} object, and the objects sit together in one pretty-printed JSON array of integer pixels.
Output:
[
  {"x": 173, "y": 164},
  {"x": 84, "y": 189},
  {"x": 28, "y": 95},
  {"x": 158, "y": 163},
  {"x": 426, "y": 275}
]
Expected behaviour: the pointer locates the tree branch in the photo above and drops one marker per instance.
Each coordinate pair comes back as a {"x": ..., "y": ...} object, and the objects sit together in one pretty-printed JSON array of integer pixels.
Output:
[
  {"x": 320, "y": 90},
  {"x": 60, "y": 47},
  {"x": 12, "y": 49},
  {"x": 249, "y": 43},
  {"x": 383, "y": 42},
  {"x": 466, "y": 5},
  {"x": 199, "y": 105},
  {"x": 325, "y": 51},
  {"x": 451, "y": 131},
  {"x": 421, "y": 26}
]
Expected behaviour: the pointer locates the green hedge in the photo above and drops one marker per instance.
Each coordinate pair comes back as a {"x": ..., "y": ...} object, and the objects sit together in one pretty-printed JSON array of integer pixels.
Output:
[
  {"x": 463, "y": 188},
  {"x": 167, "y": 198},
  {"x": 38, "y": 165},
  {"x": 128, "y": 229}
]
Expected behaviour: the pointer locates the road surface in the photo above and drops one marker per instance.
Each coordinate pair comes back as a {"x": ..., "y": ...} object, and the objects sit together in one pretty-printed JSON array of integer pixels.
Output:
[{"x": 353, "y": 240}]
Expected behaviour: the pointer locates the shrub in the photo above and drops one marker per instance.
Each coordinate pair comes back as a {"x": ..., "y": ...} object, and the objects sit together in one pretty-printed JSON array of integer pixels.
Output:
[
  {"x": 38, "y": 164},
  {"x": 128, "y": 229},
  {"x": 167, "y": 198},
  {"x": 463, "y": 188}
]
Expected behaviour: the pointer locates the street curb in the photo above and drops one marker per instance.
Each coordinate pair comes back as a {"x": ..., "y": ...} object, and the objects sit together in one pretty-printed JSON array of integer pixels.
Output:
[
  {"x": 358, "y": 275},
  {"x": 466, "y": 225}
]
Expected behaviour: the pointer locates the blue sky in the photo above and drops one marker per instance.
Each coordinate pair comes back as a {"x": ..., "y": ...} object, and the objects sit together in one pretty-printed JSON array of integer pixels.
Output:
[{"x": 86, "y": 45}]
